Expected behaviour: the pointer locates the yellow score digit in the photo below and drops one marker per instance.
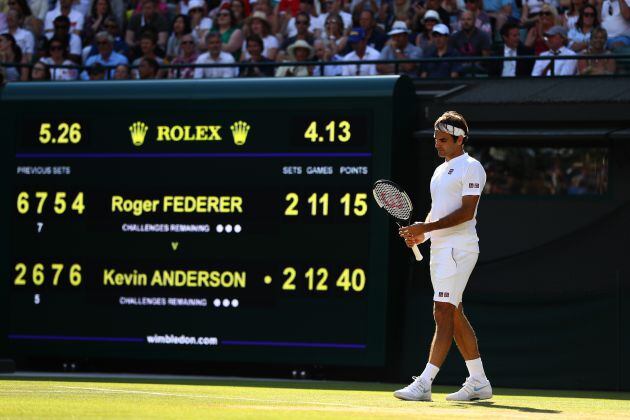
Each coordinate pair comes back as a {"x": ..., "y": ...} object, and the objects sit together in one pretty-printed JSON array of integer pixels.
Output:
[
  {"x": 290, "y": 273},
  {"x": 322, "y": 274},
  {"x": 60, "y": 204},
  {"x": 337, "y": 131},
  {"x": 65, "y": 133},
  {"x": 38, "y": 274},
  {"x": 354, "y": 280}
]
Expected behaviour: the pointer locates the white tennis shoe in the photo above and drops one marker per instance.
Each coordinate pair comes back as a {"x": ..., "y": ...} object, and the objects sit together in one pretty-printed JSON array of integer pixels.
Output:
[
  {"x": 473, "y": 389},
  {"x": 418, "y": 390}
]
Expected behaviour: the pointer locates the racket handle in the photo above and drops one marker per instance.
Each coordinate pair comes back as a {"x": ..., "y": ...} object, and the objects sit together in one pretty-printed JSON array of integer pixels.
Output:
[{"x": 417, "y": 253}]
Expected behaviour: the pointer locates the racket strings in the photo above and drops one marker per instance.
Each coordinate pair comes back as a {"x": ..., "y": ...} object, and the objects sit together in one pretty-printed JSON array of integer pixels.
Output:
[{"x": 393, "y": 201}]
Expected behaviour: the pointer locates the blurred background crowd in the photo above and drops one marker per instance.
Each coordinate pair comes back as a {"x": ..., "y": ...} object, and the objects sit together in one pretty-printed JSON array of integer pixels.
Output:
[{"x": 156, "y": 39}]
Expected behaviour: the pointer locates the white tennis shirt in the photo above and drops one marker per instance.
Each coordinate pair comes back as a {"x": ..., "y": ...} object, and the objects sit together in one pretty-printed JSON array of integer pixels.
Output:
[{"x": 451, "y": 181}]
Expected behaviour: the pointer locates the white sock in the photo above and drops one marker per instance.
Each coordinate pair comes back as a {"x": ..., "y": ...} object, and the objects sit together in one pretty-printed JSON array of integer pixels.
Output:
[
  {"x": 475, "y": 368},
  {"x": 429, "y": 373}
]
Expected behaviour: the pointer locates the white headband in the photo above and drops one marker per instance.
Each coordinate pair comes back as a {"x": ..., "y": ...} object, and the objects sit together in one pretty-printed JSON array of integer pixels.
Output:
[{"x": 454, "y": 131}]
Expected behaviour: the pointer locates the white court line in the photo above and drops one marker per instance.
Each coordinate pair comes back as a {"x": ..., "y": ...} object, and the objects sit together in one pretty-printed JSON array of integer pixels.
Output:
[{"x": 168, "y": 394}]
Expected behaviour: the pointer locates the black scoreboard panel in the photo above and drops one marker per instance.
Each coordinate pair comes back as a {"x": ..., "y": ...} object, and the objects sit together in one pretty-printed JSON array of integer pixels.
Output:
[{"x": 199, "y": 221}]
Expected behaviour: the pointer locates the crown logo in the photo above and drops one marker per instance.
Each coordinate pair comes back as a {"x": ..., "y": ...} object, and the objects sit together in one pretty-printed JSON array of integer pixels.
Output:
[
  {"x": 239, "y": 132},
  {"x": 138, "y": 131}
]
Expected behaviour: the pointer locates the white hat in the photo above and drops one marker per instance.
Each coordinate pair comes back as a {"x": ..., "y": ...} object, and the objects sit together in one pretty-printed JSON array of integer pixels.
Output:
[
  {"x": 300, "y": 43},
  {"x": 441, "y": 28},
  {"x": 431, "y": 14},
  {"x": 399, "y": 27},
  {"x": 196, "y": 4}
]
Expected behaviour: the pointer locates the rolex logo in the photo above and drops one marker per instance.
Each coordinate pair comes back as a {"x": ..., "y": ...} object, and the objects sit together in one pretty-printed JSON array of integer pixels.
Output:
[
  {"x": 138, "y": 131},
  {"x": 239, "y": 132}
]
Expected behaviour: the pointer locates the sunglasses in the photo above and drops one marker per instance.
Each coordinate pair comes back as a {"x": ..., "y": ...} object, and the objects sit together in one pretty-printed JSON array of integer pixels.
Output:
[
  {"x": 197, "y": 10},
  {"x": 62, "y": 26},
  {"x": 187, "y": 42},
  {"x": 301, "y": 22},
  {"x": 546, "y": 14},
  {"x": 102, "y": 43}
]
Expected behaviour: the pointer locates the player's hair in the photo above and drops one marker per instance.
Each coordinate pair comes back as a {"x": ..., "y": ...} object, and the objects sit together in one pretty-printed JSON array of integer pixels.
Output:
[{"x": 453, "y": 119}]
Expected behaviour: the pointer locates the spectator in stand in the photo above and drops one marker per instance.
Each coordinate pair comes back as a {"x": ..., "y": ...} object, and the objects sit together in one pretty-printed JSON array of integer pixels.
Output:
[
  {"x": 120, "y": 46},
  {"x": 106, "y": 55},
  {"x": 333, "y": 7},
  {"x": 239, "y": 10},
  {"x": 95, "y": 22},
  {"x": 334, "y": 33},
  {"x": 62, "y": 30},
  {"x": 287, "y": 7},
  {"x": 360, "y": 52},
  {"x": 187, "y": 55},
  {"x": 424, "y": 39},
  {"x": 471, "y": 42},
  {"x": 375, "y": 36},
  {"x": 547, "y": 19},
  {"x": 580, "y": 33},
  {"x": 255, "y": 46},
  {"x": 451, "y": 10},
  {"x": 399, "y": 48},
  {"x": 26, "y": 11},
  {"x": 148, "y": 68},
  {"x": 257, "y": 24},
  {"x": 231, "y": 37},
  {"x": 556, "y": 38},
  {"x": 149, "y": 18},
  {"x": 10, "y": 52},
  {"x": 23, "y": 38},
  {"x": 57, "y": 56},
  {"x": 482, "y": 20},
  {"x": 512, "y": 47},
  {"x": 499, "y": 10},
  {"x": 300, "y": 51},
  {"x": 181, "y": 26},
  {"x": 615, "y": 19},
  {"x": 149, "y": 49},
  {"x": 597, "y": 66},
  {"x": 215, "y": 55},
  {"x": 3, "y": 22},
  {"x": 571, "y": 15},
  {"x": 302, "y": 22},
  {"x": 316, "y": 25},
  {"x": 531, "y": 12},
  {"x": 441, "y": 69},
  {"x": 200, "y": 24},
  {"x": 122, "y": 72},
  {"x": 324, "y": 53},
  {"x": 40, "y": 72},
  {"x": 65, "y": 9},
  {"x": 96, "y": 72},
  {"x": 277, "y": 21}
]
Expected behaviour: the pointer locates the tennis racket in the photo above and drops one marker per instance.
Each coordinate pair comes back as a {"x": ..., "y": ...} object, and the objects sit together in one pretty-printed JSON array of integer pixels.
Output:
[{"x": 396, "y": 203}]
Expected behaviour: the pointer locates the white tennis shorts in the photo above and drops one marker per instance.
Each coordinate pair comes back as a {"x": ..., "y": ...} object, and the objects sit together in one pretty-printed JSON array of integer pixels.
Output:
[{"x": 450, "y": 270}]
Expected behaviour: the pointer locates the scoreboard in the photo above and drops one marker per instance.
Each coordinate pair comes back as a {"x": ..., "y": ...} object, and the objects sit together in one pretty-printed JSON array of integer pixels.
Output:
[{"x": 223, "y": 221}]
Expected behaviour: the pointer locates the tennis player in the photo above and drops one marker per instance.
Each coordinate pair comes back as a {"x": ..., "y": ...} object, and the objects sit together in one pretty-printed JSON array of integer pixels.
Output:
[{"x": 456, "y": 186}]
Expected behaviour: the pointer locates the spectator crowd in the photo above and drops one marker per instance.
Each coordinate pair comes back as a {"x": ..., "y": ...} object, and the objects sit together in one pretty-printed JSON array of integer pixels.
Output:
[{"x": 141, "y": 39}]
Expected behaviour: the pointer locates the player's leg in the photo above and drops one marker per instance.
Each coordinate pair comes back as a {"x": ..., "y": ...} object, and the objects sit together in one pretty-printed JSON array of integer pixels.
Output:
[
  {"x": 443, "y": 270},
  {"x": 476, "y": 385},
  {"x": 464, "y": 335}
]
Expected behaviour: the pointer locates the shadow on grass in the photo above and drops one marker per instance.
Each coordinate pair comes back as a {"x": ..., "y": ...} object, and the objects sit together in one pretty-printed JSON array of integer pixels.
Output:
[{"x": 492, "y": 404}]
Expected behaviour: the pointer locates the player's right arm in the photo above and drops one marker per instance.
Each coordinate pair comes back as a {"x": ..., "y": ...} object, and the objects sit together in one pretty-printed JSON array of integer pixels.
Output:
[{"x": 418, "y": 239}]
